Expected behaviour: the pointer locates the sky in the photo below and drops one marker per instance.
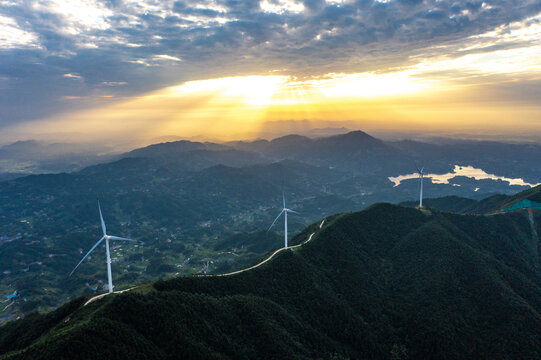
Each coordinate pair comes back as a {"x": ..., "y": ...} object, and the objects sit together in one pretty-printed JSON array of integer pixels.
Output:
[{"x": 137, "y": 71}]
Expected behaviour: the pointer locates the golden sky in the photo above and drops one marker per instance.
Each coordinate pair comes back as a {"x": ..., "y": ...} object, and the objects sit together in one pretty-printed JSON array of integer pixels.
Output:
[{"x": 487, "y": 84}]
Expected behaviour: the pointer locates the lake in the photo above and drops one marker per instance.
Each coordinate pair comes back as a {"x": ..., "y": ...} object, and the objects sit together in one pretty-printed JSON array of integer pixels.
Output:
[{"x": 467, "y": 171}]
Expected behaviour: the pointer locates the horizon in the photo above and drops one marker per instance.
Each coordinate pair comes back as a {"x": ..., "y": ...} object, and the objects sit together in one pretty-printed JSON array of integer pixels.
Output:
[{"x": 312, "y": 133}]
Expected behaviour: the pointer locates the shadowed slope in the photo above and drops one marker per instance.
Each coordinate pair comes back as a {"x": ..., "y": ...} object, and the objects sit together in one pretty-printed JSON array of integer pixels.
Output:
[{"x": 382, "y": 282}]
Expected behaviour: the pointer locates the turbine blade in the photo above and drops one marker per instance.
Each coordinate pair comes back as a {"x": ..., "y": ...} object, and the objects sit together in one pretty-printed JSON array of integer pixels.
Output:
[
  {"x": 88, "y": 253},
  {"x": 284, "y": 199},
  {"x": 120, "y": 238},
  {"x": 275, "y": 220},
  {"x": 102, "y": 222},
  {"x": 292, "y": 211}
]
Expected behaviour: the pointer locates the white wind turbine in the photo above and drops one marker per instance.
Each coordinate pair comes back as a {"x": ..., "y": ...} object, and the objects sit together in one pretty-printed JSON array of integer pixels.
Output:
[
  {"x": 106, "y": 238},
  {"x": 284, "y": 211},
  {"x": 421, "y": 176}
]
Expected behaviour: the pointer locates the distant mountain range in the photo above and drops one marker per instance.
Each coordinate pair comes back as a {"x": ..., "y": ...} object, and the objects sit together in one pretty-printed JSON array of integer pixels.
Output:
[
  {"x": 33, "y": 157},
  {"x": 182, "y": 199},
  {"x": 389, "y": 282},
  {"x": 346, "y": 149}
]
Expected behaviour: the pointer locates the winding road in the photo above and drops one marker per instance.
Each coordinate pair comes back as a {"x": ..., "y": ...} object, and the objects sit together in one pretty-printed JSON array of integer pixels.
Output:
[
  {"x": 267, "y": 259},
  {"x": 91, "y": 300}
]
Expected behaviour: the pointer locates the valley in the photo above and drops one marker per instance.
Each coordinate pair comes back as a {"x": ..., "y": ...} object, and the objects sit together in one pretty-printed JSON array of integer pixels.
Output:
[
  {"x": 377, "y": 283},
  {"x": 191, "y": 204}
]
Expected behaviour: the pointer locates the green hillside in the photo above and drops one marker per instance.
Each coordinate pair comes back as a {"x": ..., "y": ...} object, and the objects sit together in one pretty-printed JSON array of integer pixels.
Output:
[
  {"x": 183, "y": 199},
  {"x": 389, "y": 282},
  {"x": 533, "y": 194},
  {"x": 489, "y": 205}
]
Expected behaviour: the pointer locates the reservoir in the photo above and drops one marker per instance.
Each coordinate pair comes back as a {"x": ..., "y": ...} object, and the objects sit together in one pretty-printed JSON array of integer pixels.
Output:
[{"x": 467, "y": 171}]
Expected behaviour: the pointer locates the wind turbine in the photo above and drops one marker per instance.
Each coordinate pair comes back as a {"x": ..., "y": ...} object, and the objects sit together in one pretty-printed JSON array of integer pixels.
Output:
[
  {"x": 421, "y": 175},
  {"x": 106, "y": 238},
  {"x": 284, "y": 211}
]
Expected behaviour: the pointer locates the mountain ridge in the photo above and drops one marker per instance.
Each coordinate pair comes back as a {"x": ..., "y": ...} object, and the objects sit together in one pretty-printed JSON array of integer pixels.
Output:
[
  {"x": 489, "y": 205},
  {"x": 384, "y": 279},
  {"x": 182, "y": 203}
]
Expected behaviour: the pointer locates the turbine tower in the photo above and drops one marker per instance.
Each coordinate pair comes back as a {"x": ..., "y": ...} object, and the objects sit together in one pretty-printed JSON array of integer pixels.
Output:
[
  {"x": 106, "y": 238},
  {"x": 284, "y": 211},
  {"x": 421, "y": 176}
]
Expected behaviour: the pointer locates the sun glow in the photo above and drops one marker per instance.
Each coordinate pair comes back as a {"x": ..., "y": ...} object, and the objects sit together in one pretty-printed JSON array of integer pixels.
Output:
[
  {"x": 369, "y": 85},
  {"x": 252, "y": 90},
  {"x": 286, "y": 90},
  {"x": 233, "y": 107},
  {"x": 422, "y": 97}
]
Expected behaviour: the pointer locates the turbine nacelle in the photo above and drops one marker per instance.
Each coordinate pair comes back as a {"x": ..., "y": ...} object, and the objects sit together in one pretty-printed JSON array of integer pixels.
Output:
[
  {"x": 284, "y": 210},
  {"x": 291, "y": 211}
]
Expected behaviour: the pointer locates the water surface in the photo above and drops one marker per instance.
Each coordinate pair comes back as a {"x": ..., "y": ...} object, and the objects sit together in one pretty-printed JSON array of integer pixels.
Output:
[{"x": 467, "y": 171}]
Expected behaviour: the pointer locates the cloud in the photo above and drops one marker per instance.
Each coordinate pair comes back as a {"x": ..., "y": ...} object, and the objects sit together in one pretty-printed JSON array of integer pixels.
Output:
[
  {"x": 151, "y": 44},
  {"x": 166, "y": 57},
  {"x": 281, "y": 6},
  {"x": 73, "y": 76},
  {"x": 12, "y": 36},
  {"x": 114, "y": 83}
]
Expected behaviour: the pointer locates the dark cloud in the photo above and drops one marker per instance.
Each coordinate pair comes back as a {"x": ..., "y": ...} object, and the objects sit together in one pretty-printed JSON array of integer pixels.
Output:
[
  {"x": 410, "y": 2},
  {"x": 221, "y": 37},
  {"x": 436, "y": 15},
  {"x": 473, "y": 6}
]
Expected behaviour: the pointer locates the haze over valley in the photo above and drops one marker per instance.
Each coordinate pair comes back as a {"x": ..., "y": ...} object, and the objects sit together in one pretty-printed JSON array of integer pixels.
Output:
[{"x": 190, "y": 203}]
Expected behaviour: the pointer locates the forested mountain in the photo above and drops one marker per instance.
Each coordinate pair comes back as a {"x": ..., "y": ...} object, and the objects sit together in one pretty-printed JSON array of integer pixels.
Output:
[
  {"x": 182, "y": 199},
  {"x": 489, "y": 205},
  {"x": 389, "y": 282}
]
